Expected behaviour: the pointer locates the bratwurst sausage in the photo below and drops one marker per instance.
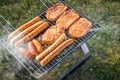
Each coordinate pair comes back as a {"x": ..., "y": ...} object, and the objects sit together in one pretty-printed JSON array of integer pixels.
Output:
[
  {"x": 32, "y": 34},
  {"x": 56, "y": 51},
  {"x": 23, "y": 27},
  {"x": 52, "y": 47},
  {"x": 25, "y": 32}
]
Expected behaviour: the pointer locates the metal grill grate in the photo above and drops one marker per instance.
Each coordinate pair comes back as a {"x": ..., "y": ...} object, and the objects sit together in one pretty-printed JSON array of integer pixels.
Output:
[{"x": 32, "y": 65}]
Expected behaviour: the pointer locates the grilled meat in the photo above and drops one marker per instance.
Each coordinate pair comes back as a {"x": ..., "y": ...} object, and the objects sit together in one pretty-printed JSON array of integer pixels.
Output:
[
  {"x": 55, "y": 11},
  {"x": 51, "y": 35},
  {"x": 67, "y": 18},
  {"x": 80, "y": 28}
]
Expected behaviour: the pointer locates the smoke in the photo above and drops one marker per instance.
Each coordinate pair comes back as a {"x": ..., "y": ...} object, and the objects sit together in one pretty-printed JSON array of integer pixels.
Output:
[
  {"x": 19, "y": 63},
  {"x": 10, "y": 58},
  {"x": 15, "y": 60},
  {"x": 108, "y": 28}
]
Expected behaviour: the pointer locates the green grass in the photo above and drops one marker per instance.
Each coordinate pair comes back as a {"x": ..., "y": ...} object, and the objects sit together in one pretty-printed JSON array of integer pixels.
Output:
[{"x": 104, "y": 46}]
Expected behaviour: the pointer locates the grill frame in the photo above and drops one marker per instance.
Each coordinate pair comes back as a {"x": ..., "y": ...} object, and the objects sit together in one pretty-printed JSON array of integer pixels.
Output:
[{"x": 66, "y": 52}]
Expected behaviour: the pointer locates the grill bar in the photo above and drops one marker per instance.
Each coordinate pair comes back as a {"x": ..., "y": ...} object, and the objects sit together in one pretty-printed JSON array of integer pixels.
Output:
[{"x": 32, "y": 65}]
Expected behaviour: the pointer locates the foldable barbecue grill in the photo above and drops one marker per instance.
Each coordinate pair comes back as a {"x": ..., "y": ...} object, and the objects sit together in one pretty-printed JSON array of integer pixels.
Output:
[{"x": 32, "y": 66}]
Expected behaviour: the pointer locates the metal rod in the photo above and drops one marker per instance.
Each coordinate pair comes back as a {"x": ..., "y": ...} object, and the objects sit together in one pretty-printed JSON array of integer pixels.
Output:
[
  {"x": 35, "y": 66},
  {"x": 44, "y": 3},
  {"x": 50, "y": 2},
  {"x": 85, "y": 48},
  {"x": 8, "y": 22},
  {"x": 4, "y": 28}
]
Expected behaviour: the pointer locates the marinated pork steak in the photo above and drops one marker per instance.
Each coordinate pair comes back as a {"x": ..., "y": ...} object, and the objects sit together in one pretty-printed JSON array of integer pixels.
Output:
[
  {"x": 51, "y": 35},
  {"x": 67, "y": 18},
  {"x": 55, "y": 11},
  {"x": 80, "y": 28}
]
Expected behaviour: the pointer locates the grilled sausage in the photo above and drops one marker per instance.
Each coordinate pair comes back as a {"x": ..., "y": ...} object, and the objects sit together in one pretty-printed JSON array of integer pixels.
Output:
[
  {"x": 32, "y": 34},
  {"x": 55, "y": 11},
  {"x": 55, "y": 52},
  {"x": 25, "y": 32},
  {"x": 26, "y": 53},
  {"x": 23, "y": 27},
  {"x": 52, "y": 47},
  {"x": 38, "y": 45},
  {"x": 32, "y": 48}
]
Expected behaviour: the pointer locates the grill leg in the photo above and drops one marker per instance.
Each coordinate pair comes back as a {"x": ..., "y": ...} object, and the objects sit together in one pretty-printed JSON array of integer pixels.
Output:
[
  {"x": 79, "y": 63},
  {"x": 85, "y": 48}
]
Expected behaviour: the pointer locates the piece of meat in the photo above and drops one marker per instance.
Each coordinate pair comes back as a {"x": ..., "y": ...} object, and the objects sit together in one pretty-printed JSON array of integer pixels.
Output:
[
  {"x": 55, "y": 11},
  {"x": 80, "y": 28},
  {"x": 67, "y": 18},
  {"x": 32, "y": 34},
  {"x": 23, "y": 27},
  {"x": 51, "y": 35},
  {"x": 51, "y": 47},
  {"x": 56, "y": 51},
  {"x": 32, "y": 48},
  {"x": 38, "y": 45},
  {"x": 25, "y": 32},
  {"x": 26, "y": 53}
]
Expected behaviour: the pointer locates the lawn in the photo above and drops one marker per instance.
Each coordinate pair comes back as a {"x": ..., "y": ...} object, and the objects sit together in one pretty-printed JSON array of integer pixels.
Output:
[{"x": 104, "y": 46}]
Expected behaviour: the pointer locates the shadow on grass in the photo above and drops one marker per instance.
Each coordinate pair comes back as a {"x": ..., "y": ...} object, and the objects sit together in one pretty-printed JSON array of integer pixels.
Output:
[{"x": 96, "y": 70}]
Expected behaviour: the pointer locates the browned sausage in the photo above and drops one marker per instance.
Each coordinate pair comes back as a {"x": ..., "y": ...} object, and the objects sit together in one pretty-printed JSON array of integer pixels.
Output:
[
  {"x": 38, "y": 45},
  {"x": 26, "y": 31},
  {"x": 24, "y": 26},
  {"x": 32, "y": 48},
  {"x": 56, "y": 51},
  {"x": 32, "y": 34},
  {"x": 26, "y": 53},
  {"x": 52, "y": 47}
]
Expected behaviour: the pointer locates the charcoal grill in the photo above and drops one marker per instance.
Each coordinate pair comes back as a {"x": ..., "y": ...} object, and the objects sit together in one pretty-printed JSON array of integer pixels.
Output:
[{"x": 33, "y": 66}]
